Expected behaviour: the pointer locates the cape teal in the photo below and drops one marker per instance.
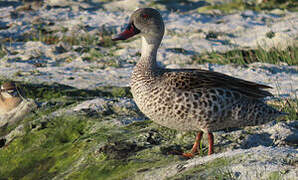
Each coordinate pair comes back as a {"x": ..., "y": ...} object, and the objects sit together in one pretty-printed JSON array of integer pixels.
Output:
[{"x": 190, "y": 99}]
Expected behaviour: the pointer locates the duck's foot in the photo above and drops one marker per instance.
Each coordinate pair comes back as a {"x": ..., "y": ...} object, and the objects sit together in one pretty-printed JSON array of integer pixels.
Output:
[
  {"x": 188, "y": 155},
  {"x": 180, "y": 153},
  {"x": 194, "y": 149},
  {"x": 195, "y": 146}
]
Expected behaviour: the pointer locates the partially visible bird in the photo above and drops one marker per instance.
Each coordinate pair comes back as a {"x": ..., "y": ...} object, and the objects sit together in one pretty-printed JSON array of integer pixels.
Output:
[{"x": 9, "y": 97}]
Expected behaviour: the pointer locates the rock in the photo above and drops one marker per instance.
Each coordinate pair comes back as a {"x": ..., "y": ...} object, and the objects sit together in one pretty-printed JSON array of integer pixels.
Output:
[
  {"x": 99, "y": 105},
  {"x": 276, "y": 134},
  {"x": 61, "y": 47},
  {"x": 254, "y": 163},
  {"x": 34, "y": 50},
  {"x": 120, "y": 106},
  {"x": 36, "y": 5},
  {"x": 284, "y": 133},
  {"x": 17, "y": 132},
  {"x": 119, "y": 149}
]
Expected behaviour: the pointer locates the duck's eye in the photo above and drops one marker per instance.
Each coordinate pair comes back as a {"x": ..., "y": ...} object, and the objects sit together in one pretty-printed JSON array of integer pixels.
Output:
[{"x": 146, "y": 16}]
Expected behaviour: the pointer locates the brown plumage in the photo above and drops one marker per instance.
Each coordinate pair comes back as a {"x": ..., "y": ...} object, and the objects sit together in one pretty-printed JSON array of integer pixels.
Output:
[
  {"x": 190, "y": 99},
  {"x": 9, "y": 97},
  {"x": 198, "y": 78}
]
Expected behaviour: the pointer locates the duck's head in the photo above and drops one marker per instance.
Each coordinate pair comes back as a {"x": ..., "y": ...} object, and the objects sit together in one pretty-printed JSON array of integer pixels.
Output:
[
  {"x": 8, "y": 90},
  {"x": 145, "y": 21}
]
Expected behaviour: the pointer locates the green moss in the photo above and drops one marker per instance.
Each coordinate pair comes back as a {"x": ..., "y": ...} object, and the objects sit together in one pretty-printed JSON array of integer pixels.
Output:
[
  {"x": 18, "y": 73},
  {"x": 234, "y": 6},
  {"x": 81, "y": 146},
  {"x": 289, "y": 106},
  {"x": 45, "y": 152},
  {"x": 120, "y": 92},
  {"x": 124, "y": 144},
  {"x": 66, "y": 141},
  {"x": 64, "y": 93},
  {"x": 121, "y": 169},
  {"x": 270, "y": 34},
  {"x": 215, "y": 169},
  {"x": 94, "y": 54},
  {"x": 114, "y": 91},
  {"x": 274, "y": 176}
]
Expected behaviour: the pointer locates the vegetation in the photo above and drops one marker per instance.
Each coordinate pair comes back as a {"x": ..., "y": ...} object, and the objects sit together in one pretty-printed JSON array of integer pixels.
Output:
[
  {"x": 234, "y": 5},
  {"x": 40, "y": 33},
  {"x": 88, "y": 145},
  {"x": 212, "y": 170},
  {"x": 289, "y": 106},
  {"x": 240, "y": 5},
  {"x": 2, "y": 51},
  {"x": 54, "y": 144},
  {"x": 244, "y": 57}
]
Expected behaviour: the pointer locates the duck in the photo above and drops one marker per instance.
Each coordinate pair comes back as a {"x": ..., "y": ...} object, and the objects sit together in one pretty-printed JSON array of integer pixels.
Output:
[
  {"x": 190, "y": 99},
  {"x": 9, "y": 97}
]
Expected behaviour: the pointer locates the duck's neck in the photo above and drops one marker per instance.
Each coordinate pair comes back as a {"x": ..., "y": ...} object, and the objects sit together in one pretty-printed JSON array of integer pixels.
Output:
[{"x": 148, "y": 55}]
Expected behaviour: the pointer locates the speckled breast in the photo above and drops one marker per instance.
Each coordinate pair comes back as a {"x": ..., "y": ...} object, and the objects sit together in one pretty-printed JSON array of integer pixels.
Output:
[{"x": 166, "y": 106}]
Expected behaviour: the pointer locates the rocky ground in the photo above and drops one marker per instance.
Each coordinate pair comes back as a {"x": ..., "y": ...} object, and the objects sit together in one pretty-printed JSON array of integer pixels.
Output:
[{"x": 88, "y": 127}]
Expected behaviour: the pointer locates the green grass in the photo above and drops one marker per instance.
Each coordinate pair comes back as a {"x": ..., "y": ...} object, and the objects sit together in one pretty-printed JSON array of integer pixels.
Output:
[
  {"x": 215, "y": 169},
  {"x": 66, "y": 141},
  {"x": 45, "y": 92},
  {"x": 54, "y": 144},
  {"x": 40, "y": 33},
  {"x": 275, "y": 176},
  {"x": 239, "y": 5},
  {"x": 107, "y": 59},
  {"x": 44, "y": 153},
  {"x": 243, "y": 57},
  {"x": 289, "y": 106}
]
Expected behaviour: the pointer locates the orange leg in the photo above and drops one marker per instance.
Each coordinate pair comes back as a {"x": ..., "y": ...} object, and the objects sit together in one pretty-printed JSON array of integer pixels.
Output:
[
  {"x": 194, "y": 148},
  {"x": 211, "y": 141}
]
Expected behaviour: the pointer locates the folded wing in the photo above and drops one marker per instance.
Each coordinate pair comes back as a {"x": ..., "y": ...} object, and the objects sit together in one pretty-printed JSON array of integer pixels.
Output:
[{"x": 197, "y": 78}]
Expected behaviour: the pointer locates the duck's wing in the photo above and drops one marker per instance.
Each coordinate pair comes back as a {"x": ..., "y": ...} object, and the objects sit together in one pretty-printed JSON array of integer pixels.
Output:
[{"x": 188, "y": 79}]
